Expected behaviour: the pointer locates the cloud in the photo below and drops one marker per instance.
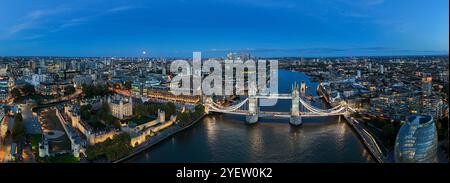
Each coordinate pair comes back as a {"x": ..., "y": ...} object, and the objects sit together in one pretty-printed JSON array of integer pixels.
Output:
[
  {"x": 372, "y": 2},
  {"x": 272, "y": 4},
  {"x": 118, "y": 8},
  {"x": 80, "y": 20},
  {"x": 20, "y": 27},
  {"x": 31, "y": 21},
  {"x": 41, "y": 17},
  {"x": 32, "y": 37},
  {"x": 362, "y": 3}
]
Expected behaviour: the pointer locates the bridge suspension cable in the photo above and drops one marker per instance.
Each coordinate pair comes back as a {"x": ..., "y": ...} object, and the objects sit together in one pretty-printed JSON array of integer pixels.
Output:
[
  {"x": 334, "y": 110},
  {"x": 313, "y": 110},
  {"x": 218, "y": 107}
]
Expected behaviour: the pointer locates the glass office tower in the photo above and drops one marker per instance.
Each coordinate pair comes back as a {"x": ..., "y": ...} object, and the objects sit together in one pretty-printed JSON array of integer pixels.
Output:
[{"x": 417, "y": 140}]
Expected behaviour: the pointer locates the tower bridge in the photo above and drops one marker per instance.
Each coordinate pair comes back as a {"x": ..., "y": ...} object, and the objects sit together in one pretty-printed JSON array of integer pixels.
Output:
[{"x": 250, "y": 108}]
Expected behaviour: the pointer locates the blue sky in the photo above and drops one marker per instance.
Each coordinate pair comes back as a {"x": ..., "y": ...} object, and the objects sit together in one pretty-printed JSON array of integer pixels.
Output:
[{"x": 175, "y": 28}]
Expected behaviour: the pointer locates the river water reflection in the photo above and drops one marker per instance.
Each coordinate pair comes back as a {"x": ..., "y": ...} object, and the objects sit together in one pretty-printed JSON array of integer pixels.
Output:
[{"x": 226, "y": 138}]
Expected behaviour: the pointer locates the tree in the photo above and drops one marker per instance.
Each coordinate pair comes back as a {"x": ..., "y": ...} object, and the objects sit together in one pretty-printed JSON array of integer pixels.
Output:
[
  {"x": 446, "y": 89},
  {"x": 85, "y": 112},
  {"x": 170, "y": 109},
  {"x": 113, "y": 149},
  {"x": 15, "y": 93},
  {"x": 18, "y": 130},
  {"x": 56, "y": 77},
  {"x": 87, "y": 89},
  {"x": 95, "y": 90},
  {"x": 103, "y": 112},
  {"x": 389, "y": 133},
  {"x": 141, "y": 110},
  {"x": 28, "y": 89},
  {"x": 184, "y": 117},
  {"x": 127, "y": 85},
  {"x": 200, "y": 109},
  {"x": 69, "y": 90},
  {"x": 95, "y": 123}
]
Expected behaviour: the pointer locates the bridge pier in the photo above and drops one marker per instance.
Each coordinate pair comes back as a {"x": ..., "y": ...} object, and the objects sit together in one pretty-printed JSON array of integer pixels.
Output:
[
  {"x": 296, "y": 120},
  {"x": 252, "y": 118}
]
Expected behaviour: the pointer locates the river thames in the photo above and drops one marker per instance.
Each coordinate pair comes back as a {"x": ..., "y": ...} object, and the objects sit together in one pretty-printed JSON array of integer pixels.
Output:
[{"x": 226, "y": 138}]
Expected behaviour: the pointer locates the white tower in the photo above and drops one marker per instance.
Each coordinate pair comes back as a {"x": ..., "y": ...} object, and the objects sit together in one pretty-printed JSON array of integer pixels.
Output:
[{"x": 161, "y": 116}]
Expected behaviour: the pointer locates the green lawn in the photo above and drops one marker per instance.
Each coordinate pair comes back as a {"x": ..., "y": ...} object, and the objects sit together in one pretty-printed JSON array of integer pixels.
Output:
[
  {"x": 35, "y": 139},
  {"x": 141, "y": 120}
]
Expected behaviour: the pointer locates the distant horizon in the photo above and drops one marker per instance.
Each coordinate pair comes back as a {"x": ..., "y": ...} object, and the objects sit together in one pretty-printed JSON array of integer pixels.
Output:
[{"x": 224, "y": 56}]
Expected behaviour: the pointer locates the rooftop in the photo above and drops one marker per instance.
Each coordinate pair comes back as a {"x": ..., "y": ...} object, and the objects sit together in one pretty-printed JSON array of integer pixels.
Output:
[{"x": 419, "y": 119}]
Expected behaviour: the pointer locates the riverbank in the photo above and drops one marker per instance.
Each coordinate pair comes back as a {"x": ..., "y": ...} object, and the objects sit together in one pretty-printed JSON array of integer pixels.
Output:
[
  {"x": 158, "y": 138},
  {"x": 368, "y": 141}
]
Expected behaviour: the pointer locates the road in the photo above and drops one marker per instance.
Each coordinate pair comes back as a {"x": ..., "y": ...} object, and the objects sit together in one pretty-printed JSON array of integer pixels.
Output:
[{"x": 368, "y": 139}]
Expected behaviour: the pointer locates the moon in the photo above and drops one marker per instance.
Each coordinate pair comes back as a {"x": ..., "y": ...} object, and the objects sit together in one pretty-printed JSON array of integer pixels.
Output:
[{"x": 144, "y": 52}]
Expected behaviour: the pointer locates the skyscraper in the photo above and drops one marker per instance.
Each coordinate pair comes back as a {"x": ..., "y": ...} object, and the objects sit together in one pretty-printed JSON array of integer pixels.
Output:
[
  {"x": 427, "y": 85},
  {"x": 197, "y": 60}
]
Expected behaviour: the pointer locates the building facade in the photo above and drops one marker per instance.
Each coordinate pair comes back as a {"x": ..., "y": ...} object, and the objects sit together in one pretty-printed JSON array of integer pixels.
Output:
[{"x": 120, "y": 106}]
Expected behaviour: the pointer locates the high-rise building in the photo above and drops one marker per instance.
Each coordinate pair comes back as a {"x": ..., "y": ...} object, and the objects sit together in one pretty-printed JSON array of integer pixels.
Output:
[
  {"x": 244, "y": 56},
  {"x": 416, "y": 140},
  {"x": 358, "y": 74},
  {"x": 150, "y": 64},
  {"x": 230, "y": 56},
  {"x": 427, "y": 85},
  {"x": 197, "y": 60},
  {"x": 381, "y": 69}
]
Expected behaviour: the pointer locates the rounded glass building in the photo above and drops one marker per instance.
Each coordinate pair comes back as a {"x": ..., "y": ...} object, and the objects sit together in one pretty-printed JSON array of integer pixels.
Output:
[{"x": 417, "y": 140}]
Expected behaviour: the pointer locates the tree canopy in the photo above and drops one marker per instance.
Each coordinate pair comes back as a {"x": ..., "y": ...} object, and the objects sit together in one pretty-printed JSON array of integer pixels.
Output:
[
  {"x": 15, "y": 93},
  {"x": 69, "y": 90},
  {"x": 18, "y": 131},
  {"x": 95, "y": 90},
  {"x": 112, "y": 149},
  {"x": 28, "y": 89}
]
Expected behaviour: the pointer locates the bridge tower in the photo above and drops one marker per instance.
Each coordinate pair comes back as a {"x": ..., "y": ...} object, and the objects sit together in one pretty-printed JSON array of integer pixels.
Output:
[
  {"x": 207, "y": 102},
  {"x": 296, "y": 118},
  {"x": 303, "y": 87},
  {"x": 252, "y": 116}
]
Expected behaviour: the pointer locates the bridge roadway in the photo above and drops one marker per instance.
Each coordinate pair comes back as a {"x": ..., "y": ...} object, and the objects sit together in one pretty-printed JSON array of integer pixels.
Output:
[
  {"x": 276, "y": 114},
  {"x": 275, "y": 96}
]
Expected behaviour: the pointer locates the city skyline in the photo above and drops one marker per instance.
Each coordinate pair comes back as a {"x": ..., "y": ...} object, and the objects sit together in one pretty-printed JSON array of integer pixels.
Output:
[{"x": 267, "y": 28}]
